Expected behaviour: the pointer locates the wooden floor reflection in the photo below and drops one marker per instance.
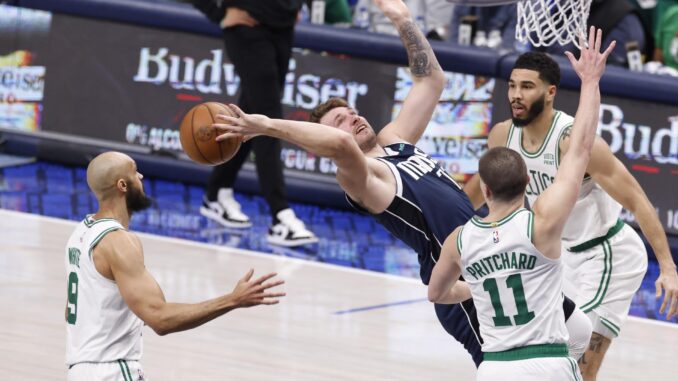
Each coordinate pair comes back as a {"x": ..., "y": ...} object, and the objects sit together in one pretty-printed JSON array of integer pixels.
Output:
[{"x": 302, "y": 338}]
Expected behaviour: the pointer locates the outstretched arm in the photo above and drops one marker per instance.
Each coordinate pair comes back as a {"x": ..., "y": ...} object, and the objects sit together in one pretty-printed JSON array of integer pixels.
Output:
[
  {"x": 553, "y": 207},
  {"x": 428, "y": 79},
  {"x": 124, "y": 254},
  {"x": 445, "y": 286},
  {"x": 358, "y": 176}
]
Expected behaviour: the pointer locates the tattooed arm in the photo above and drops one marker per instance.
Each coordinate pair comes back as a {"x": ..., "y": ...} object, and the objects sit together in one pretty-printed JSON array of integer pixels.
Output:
[{"x": 428, "y": 79}]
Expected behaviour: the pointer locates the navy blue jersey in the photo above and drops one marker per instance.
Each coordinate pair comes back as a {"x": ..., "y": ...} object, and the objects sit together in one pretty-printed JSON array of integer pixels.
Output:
[{"x": 427, "y": 207}]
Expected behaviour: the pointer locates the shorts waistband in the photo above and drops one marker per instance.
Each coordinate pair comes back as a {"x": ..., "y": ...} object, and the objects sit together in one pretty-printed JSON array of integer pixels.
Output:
[
  {"x": 597, "y": 241},
  {"x": 528, "y": 352},
  {"x": 101, "y": 362}
]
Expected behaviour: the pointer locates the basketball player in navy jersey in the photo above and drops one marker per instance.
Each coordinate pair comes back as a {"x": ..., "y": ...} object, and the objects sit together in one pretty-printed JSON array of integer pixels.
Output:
[{"x": 386, "y": 176}]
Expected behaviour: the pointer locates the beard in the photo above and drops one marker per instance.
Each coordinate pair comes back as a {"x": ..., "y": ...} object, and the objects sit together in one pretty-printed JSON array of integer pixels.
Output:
[
  {"x": 369, "y": 142},
  {"x": 532, "y": 113},
  {"x": 137, "y": 200}
]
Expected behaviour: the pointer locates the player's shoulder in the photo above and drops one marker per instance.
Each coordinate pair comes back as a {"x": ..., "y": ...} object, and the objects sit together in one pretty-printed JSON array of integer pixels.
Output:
[
  {"x": 499, "y": 133},
  {"x": 119, "y": 242}
]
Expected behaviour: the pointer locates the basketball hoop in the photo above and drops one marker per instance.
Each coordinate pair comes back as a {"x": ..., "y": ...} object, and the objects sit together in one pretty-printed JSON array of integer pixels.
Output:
[{"x": 545, "y": 22}]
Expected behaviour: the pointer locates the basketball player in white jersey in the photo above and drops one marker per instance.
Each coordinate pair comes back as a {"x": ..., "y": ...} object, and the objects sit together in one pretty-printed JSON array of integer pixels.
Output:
[
  {"x": 605, "y": 259},
  {"x": 111, "y": 295},
  {"x": 511, "y": 258}
]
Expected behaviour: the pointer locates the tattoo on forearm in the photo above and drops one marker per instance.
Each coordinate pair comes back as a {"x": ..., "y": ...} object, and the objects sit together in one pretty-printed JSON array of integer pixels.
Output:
[{"x": 419, "y": 52}]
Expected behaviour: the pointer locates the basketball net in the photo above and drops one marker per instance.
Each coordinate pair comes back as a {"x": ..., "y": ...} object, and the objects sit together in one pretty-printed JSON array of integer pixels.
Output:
[{"x": 546, "y": 22}]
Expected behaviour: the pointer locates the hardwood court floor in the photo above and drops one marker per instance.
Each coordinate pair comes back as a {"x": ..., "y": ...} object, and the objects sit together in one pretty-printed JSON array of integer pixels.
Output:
[{"x": 302, "y": 338}]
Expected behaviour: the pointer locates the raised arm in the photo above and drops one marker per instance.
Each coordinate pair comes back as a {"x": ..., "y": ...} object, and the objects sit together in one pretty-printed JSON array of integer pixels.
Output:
[
  {"x": 428, "y": 79},
  {"x": 122, "y": 251},
  {"x": 445, "y": 286},
  {"x": 553, "y": 207}
]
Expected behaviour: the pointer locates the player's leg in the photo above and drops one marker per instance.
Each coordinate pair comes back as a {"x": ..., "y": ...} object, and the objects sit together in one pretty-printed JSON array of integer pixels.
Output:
[
  {"x": 531, "y": 369},
  {"x": 607, "y": 277},
  {"x": 592, "y": 359},
  {"x": 461, "y": 321},
  {"x": 580, "y": 329}
]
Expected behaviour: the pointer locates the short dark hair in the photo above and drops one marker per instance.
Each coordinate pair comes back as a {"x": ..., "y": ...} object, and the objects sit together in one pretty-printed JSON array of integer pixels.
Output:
[
  {"x": 548, "y": 69},
  {"x": 503, "y": 170},
  {"x": 320, "y": 110}
]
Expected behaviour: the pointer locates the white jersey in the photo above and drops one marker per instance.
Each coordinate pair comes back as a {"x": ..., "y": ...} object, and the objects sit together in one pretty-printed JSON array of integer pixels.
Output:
[
  {"x": 595, "y": 212},
  {"x": 517, "y": 291},
  {"x": 99, "y": 325}
]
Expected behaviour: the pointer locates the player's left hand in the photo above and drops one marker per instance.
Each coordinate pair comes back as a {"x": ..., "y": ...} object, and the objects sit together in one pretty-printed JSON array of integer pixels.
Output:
[
  {"x": 591, "y": 63},
  {"x": 668, "y": 282},
  {"x": 243, "y": 125}
]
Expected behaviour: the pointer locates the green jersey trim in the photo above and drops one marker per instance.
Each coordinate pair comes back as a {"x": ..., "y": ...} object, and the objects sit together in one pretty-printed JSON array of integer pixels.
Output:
[
  {"x": 100, "y": 237},
  {"x": 543, "y": 144},
  {"x": 604, "y": 280},
  {"x": 560, "y": 136},
  {"x": 528, "y": 352},
  {"x": 575, "y": 370},
  {"x": 610, "y": 325},
  {"x": 459, "y": 245},
  {"x": 481, "y": 224},
  {"x": 124, "y": 369},
  {"x": 510, "y": 135},
  {"x": 89, "y": 222},
  {"x": 598, "y": 240},
  {"x": 530, "y": 226}
]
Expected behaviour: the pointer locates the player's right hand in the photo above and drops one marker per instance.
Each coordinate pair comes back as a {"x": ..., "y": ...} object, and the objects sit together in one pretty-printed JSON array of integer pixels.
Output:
[{"x": 249, "y": 293}]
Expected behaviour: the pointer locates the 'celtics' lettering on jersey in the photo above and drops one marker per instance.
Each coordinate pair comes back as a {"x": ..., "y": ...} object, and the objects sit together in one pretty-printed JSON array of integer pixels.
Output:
[
  {"x": 538, "y": 182},
  {"x": 516, "y": 289},
  {"x": 595, "y": 211},
  {"x": 501, "y": 261}
]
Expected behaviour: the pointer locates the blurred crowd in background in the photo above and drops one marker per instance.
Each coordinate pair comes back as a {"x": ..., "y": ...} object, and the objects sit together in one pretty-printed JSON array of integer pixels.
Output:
[{"x": 647, "y": 27}]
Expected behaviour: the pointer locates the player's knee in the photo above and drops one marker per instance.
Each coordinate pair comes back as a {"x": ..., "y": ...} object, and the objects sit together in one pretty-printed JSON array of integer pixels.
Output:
[{"x": 579, "y": 327}]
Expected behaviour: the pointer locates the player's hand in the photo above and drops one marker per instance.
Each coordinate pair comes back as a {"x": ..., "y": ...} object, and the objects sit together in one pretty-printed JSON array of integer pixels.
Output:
[
  {"x": 591, "y": 63},
  {"x": 668, "y": 282},
  {"x": 395, "y": 10},
  {"x": 249, "y": 293},
  {"x": 243, "y": 125}
]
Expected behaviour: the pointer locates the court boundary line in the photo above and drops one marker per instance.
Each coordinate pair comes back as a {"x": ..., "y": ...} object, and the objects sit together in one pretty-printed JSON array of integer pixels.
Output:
[{"x": 235, "y": 250}]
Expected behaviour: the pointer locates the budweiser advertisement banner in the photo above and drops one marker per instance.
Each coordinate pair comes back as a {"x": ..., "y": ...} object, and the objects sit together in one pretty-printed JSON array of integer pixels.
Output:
[{"x": 130, "y": 84}]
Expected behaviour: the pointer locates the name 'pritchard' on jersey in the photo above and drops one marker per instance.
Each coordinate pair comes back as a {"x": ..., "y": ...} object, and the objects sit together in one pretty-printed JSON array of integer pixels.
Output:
[
  {"x": 427, "y": 207},
  {"x": 516, "y": 290}
]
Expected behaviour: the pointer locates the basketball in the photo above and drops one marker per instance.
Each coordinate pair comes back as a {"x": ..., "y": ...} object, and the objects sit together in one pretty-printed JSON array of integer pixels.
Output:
[{"x": 198, "y": 136}]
